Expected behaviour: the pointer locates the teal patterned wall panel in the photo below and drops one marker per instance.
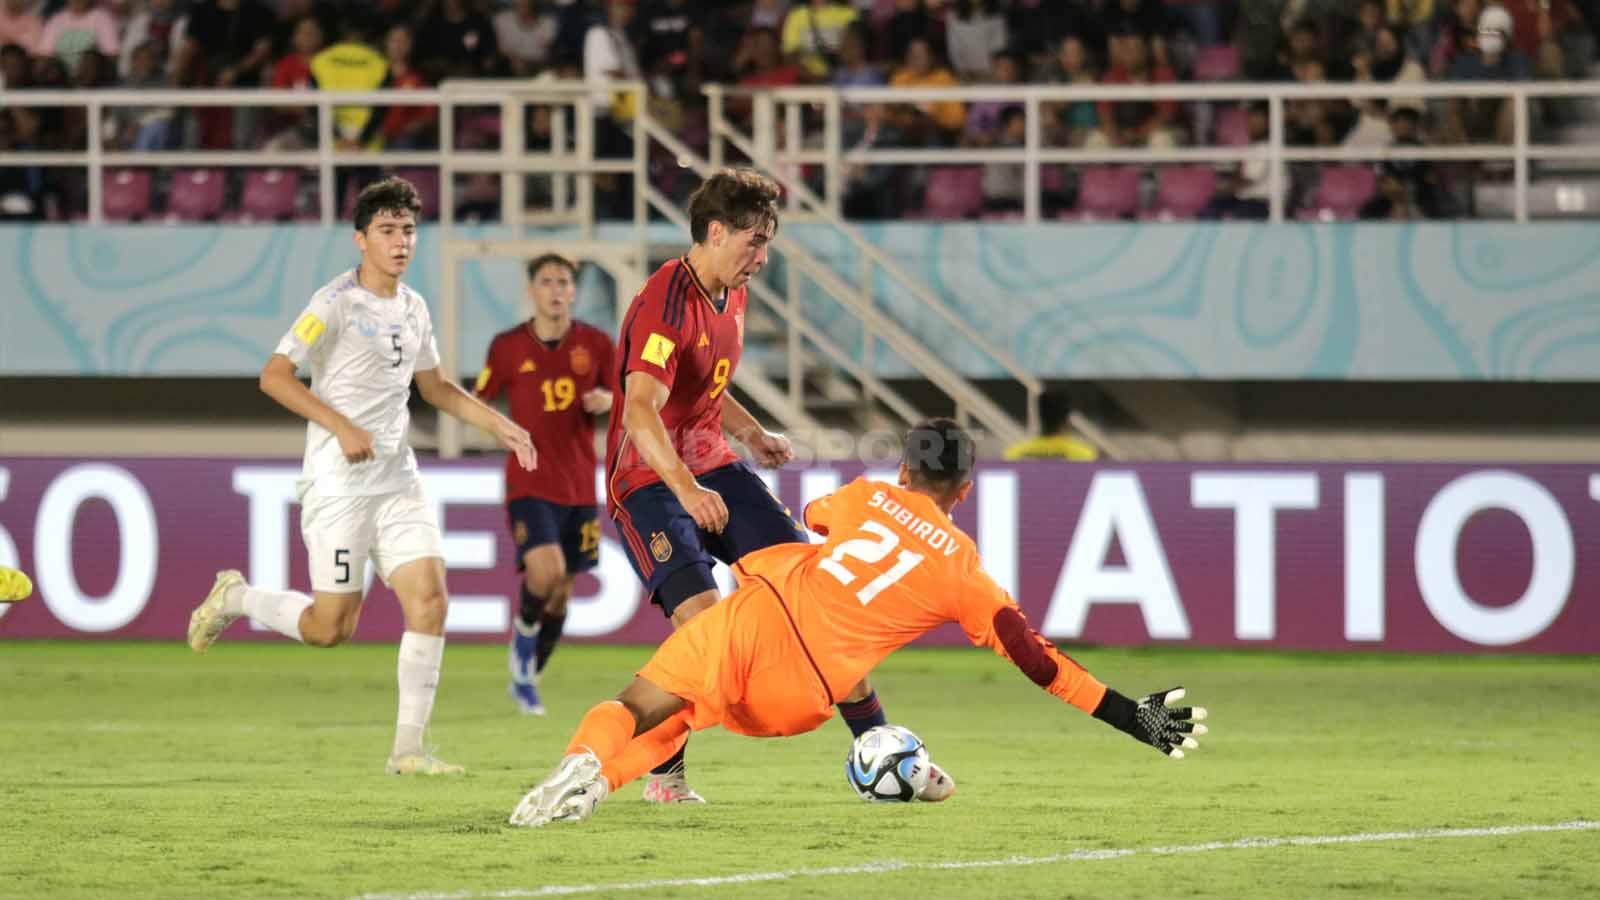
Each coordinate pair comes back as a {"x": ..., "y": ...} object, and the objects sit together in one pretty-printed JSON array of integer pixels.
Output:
[{"x": 1435, "y": 301}]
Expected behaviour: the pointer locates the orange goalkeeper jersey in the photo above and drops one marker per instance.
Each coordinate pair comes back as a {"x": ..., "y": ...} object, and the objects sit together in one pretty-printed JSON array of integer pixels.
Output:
[{"x": 894, "y": 567}]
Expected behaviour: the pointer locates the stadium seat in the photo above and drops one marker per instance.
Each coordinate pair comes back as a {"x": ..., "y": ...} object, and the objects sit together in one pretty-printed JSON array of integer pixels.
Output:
[
  {"x": 126, "y": 194},
  {"x": 1182, "y": 191},
  {"x": 426, "y": 181},
  {"x": 1232, "y": 127},
  {"x": 1220, "y": 63},
  {"x": 1107, "y": 192},
  {"x": 1341, "y": 190},
  {"x": 270, "y": 195},
  {"x": 953, "y": 192},
  {"x": 196, "y": 195}
]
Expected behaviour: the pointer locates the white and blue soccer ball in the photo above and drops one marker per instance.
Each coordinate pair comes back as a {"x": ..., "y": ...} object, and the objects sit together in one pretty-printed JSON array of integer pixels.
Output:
[{"x": 887, "y": 764}]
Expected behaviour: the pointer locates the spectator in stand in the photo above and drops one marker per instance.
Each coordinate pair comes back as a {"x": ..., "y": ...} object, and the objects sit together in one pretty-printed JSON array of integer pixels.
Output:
[
  {"x": 759, "y": 61},
  {"x": 1370, "y": 23},
  {"x": 1397, "y": 198},
  {"x": 1537, "y": 27},
  {"x": 1492, "y": 58},
  {"x": 854, "y": 69},
  {"x": 295, "y": 127},
  {"x": 871, "y": 191},
  {"x": 352, "y": 64},
  {"x": 1305, "y": 46},
  {"x": 937, "y": 122},
  {"x": 141, "y": 128},
  {"x": 14, "y": 67},
  {"x": 983, "y": 117},
  {"x": 78, "y": 27},
  {"x": 233, "y": 38},
  {"x": 1146, "y": 18},
  {"x": 975, "y": 31},
  {"x": 1415, "y": 18},
  {"x": 609, "y": 55},
  {"x": 526, "y": 35},
  {"x": 673, "y": 38},
  {"x": 1201, "y": 18},
  {"x": 1072, "y": 123},
  {"x": 911, "y": 20},
  {"x": 153, "y": 22},
  {"x": 1136, "y": 123},
  {"x": 1458, "y": 33},
  {"x": 1245, "y": 192},
  {"x": 459, "y": 42},
  {"x": 812, "y": 34},
  {"x": 21, "y": 25},
  {"x": 401, "y": 127},
  {"x": 768, "y": 14},
  {"x": 1320, "y": 122},
  {"x": 1003, "y": 182},
  {"x": 95, "y": 70}
]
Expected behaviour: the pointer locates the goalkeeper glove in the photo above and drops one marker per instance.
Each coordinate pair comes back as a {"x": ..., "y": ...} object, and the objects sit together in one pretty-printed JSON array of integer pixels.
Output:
[{"x": 1170, "y": 729}]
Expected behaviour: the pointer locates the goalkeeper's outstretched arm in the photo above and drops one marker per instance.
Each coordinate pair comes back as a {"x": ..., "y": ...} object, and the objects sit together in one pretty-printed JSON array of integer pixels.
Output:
[{"x": 1149, "y": 720}]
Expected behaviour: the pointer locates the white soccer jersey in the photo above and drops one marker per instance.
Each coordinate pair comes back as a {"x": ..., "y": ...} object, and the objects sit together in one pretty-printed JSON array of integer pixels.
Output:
[{"x": 362, "y": 351}]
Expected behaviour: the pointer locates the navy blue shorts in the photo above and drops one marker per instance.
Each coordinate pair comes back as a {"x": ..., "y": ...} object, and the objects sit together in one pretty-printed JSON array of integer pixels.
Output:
[
  {"x": 661, "y": 539},
  {"x": 535, "y": 523}
]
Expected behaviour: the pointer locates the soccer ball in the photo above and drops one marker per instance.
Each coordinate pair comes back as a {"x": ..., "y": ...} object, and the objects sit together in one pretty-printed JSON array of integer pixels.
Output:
[{"x": 887, "y": 763}]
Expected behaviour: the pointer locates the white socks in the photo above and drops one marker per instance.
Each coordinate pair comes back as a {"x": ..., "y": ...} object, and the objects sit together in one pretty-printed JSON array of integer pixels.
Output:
[
  {"x": 278, "y": 610},
  {"x": 420, "y": 655}
]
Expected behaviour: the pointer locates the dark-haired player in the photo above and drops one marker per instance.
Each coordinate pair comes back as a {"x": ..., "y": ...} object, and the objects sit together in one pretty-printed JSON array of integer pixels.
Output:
[
  {"x": 679, "y": 495},
  {"x": 810, "y": 620},
  {"x": 556, "y": 373},
  {"x": 365, "y": 336}
]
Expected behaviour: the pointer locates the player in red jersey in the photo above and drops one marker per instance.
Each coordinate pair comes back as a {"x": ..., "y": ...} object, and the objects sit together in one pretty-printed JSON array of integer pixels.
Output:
[
  {"x": 557, "y": 374},
  {"x": 680, "y": 496}
]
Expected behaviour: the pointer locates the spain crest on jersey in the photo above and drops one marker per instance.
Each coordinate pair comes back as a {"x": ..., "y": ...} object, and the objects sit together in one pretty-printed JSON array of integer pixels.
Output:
[
  {"x": 581, "y": 361},
  {"x": 660, "y": 547}
]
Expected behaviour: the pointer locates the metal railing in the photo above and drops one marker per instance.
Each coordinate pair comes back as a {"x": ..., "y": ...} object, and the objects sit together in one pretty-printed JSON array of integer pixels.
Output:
[
  {"x": 779, "y": 129},
  {"x": 569, "y": 154},
  {"x": 779, "y": 133}
]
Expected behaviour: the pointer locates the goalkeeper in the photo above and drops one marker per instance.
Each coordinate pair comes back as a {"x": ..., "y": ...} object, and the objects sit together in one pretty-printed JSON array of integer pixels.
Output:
[{"x": 809, "y": 621}]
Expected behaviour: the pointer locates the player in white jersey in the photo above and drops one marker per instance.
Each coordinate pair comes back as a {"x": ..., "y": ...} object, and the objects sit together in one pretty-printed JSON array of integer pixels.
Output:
[{"x": 364, "y": 337}]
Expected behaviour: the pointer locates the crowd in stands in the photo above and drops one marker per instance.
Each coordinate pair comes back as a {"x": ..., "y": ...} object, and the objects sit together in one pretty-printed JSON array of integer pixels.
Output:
[{"x": 677, "y": 46}]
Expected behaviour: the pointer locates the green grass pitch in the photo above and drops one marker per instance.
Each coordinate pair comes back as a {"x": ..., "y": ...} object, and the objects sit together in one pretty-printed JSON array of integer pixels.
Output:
[{"x": 142, "y": 770}]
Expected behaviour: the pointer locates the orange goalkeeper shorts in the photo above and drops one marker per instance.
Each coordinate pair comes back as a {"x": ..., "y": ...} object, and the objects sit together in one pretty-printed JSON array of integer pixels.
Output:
[{"x": 740, "y": 665}]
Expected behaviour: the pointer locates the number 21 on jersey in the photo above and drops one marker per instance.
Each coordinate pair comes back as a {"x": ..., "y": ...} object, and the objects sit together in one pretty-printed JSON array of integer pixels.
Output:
[{"x": 870, "y": 551}]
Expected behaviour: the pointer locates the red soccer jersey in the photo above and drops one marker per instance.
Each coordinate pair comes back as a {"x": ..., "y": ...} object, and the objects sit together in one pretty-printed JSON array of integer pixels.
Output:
[
  {"x": 546, "y": 388},
  {"x": 674, "y": 332}
]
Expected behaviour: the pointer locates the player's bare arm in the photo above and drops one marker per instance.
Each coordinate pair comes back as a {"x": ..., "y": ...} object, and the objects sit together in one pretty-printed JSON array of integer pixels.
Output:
[
  {"x": 278, "y": 381},
  {"x": 770, "y": 448},
  {"x": 597, "y": 401},
  {"x": 453, "y": 400},
  {"x": 641, "y": 417}
]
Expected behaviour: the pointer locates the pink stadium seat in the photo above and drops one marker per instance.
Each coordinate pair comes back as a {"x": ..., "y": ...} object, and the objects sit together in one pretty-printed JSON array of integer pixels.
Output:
[
  {"x": 426, "y": 182},
  {"x": 196, "y": 195},
  {"x": 1182, "y": 191},
  {"x": 953, "y": 192},
  {"x": 270, "y": 195},
  {"x": 1341, "y": 190},
  {"x": 125, "y": 194},
  {"x": 1233, "y": 127},
  {"x": 1220, "y": 63},
  {"x": 1108, "y": 192}
]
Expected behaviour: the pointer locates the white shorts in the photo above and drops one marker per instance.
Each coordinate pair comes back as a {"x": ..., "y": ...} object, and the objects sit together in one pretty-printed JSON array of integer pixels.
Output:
[{"x": 341, "y": 533}]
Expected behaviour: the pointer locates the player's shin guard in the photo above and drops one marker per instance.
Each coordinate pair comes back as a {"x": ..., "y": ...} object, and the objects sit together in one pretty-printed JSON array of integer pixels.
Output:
[
  {"x": 418, "y": 674},
  {"x": 863, "y": 715},
  {"x": 664, "y": 741},
  {"x": 605, "y": 731}
]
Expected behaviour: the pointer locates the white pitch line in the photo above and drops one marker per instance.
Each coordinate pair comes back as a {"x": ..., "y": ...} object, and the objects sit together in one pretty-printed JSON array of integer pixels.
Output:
[{"x": 565, "y": 890}]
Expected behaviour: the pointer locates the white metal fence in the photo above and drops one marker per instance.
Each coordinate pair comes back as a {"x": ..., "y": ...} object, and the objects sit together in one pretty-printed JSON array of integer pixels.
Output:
[{"x": 780, "y": 131}]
